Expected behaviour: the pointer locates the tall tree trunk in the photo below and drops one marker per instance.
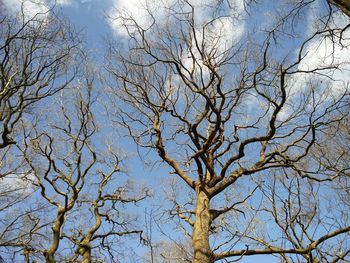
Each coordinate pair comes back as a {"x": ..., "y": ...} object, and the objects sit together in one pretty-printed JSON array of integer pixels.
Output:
[
  {"x": 85, "y": 249},
  {"x": 56, "y": 232},
  {"x": 200, "y": 237},
  {"x": 49, "y": 258},
  {"x": 87, "y": 255}
]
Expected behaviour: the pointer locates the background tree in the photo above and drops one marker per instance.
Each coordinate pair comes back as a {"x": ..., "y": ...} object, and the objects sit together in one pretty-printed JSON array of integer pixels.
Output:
[
  {"x": 230, "y": 113},
  {"x": 54, "y": 172},
  {"x": 78, "y": 184},
  {"x": 36, "y": 61},
  {"x": 163, "y": 251}
]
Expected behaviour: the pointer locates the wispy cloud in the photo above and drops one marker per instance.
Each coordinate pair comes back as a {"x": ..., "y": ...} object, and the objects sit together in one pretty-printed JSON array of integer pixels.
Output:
[
  {"x": 144, "y": 11},
  {"x": 329, "y": 52},
  {"x": 21, "y": 185},
  {"x": 325, "y": 67},
  {"x": 139, "y": 10},
  {"x": 30, "y": 8},
  {"x": 64, "y": 2}
]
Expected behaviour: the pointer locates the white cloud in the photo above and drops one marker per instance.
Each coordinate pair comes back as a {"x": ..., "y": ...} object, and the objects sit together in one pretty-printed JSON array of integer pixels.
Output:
[
  {"x": 218, "y": 35},
  {"x": 322, "y": 53},
  {"x": 31, "y": 8},
  {"x": 64, "y": 2},
  {"x": 229, "y": 28},
  {"x": 326, "y": 52},
  {"x": 138, "y": 10},
  {"x": 19, "y": 184},
  {"x": 329, "y": 51}
]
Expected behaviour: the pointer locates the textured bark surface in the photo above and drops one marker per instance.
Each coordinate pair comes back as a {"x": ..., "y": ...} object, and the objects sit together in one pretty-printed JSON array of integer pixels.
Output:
[
  {"x": 56, "y": 231},
  {"x": 343, "y": 5},
  {"x": 49, "y": 258},
  {"x": 200, "y": 238},
  {"x": 87, "y": 255}
]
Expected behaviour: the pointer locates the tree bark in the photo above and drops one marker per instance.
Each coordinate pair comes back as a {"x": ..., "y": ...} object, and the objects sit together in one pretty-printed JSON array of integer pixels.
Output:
[
  {"x": 343, "y": 5},
  {"x": 87, "y": 255},
  {"x": 56, "y": 232},
  {"x": 49, "y": 258},
  {"x": 200, "y": 236}
]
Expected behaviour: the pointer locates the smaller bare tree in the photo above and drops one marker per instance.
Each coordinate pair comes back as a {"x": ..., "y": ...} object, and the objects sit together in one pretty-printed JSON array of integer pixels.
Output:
[{"x": 75, "y": 180}]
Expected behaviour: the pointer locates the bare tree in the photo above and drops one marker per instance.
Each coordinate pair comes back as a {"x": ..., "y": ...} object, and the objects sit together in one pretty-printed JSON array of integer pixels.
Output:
[
  {"x": 108, "y": 220},
  {"x": 36, "y": 61},
  {"x": 235, "y": 121},
  {"x": 79, "y": 195},
  {"x": 51, "y": 162}
]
